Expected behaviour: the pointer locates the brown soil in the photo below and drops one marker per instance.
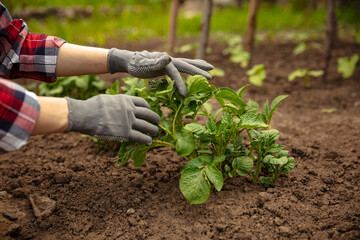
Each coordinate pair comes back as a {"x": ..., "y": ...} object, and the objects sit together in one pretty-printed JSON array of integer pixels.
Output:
[{"x": 96, "y": 199}]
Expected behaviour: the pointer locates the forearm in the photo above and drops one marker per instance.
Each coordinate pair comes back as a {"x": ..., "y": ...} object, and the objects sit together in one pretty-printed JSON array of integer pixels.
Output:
[
  {"x": 53, "y": 117},
  {"x": 80, "y": 60}
]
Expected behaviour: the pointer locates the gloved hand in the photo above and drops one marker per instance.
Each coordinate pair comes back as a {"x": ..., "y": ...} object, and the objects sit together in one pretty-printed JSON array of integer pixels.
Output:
[
  {"x": 153, "y": 64},
  {"x": 113, "y": 117}
]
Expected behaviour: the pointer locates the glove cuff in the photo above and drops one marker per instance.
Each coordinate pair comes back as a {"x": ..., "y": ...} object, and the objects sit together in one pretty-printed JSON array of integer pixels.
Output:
[
  {"x": 118, "y": 60},
  {"x": 82, "y": 118}
]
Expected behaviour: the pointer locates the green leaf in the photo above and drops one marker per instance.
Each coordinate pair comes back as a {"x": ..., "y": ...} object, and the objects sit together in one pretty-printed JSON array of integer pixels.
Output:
[
  {"x": 276, "y": 102},
  {"x": 194, "y": 185},
  {"x": 211, "y": 126},
  {"x": 204, "y": 151},
  {"x": 216, "y": 113},
  {"x": 241, "y": 90},
  {"x": 282, "y": 153},
  {"x": 82, "y": 82},
  {"x": 257, "y": 74},
  {"x": 266, "y": 108},
  {"x": 347, "y": 66},
  {"x": 215, "y": 176},
  {"x": 217, "y": 72},
  {"x": 288, "y": 166},
  {"x": 55, "y": 91},
  {"x": 99, "y": 84},
  {"x": 252, "y": 106},
  {"x": 243, "y": 165},
  {"x": 68, "y": 80},
  {"x": 274, "y": 148},
  {"x": 316, "y": 73},
  {"x": 114, "y": 89},
  {"x": 185, "y": 145},
  {"x": 139, "y": 155},
  {"x": 299, "y": 73},
  {"x": 226, "y": 119},
  {"x": 198, "y": 162},
  {"x": 265, "y": 180},
  {"x": 125, "y": 152},
  {"x": 198, "y": 84},
  {"x": 328, "y": 110},
  {"x": 208, "y": 107},
  {"x": 218, "y": 159},
  {"x": 195, "y": 128},
  {"x": 157, "y": 85},
  {"x": 230, "y": 95},
  {"x": 250, "y": 120},
  {"x": 279, "y": 161},
  {"x": 227, "y": 168},
  {"x": 272, "y": 134},
  {"x": 300, "y": 48}
]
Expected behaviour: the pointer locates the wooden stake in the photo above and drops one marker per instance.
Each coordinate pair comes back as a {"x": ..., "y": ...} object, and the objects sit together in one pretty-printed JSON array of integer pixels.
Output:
[
  {"x": 174, "y": 11},
  {"x": 250, "y": 32},
  {"x": 331, "y": 35},
  {"x": 205, "y": 29}
]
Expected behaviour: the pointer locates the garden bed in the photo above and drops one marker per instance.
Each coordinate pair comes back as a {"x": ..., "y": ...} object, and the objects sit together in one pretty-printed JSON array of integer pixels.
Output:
[{"x": 96, "y": 199}]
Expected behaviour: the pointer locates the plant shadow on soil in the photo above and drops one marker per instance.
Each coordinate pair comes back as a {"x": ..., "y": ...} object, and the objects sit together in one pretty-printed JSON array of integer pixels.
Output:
[{"x": 96, "y": 199}]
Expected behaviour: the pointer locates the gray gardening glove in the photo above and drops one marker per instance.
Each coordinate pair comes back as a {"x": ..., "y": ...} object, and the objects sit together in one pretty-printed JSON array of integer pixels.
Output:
[
  {"x": 113, "y": 117},
  {"x": 153, "y": 64}
]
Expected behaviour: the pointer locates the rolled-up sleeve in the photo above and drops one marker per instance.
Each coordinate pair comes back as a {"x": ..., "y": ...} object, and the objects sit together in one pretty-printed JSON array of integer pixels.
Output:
[
  {"x": 24, "y": 54},
  {"x": 19, "y": 110}
]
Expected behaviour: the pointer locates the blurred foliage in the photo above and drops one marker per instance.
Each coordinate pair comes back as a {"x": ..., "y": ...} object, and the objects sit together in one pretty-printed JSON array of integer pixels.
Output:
[
  {"x": 143, "y": 19},
  {"x": 78, "y": 87},
  {"x": 346, "y": 66}
]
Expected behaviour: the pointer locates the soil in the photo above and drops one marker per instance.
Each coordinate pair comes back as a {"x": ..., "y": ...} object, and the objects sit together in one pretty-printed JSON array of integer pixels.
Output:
[{"x": 96, "y": 199}]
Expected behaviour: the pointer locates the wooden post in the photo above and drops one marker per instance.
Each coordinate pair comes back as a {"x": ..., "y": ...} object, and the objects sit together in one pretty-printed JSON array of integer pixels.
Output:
[
  {"x": 250, "y": 32},
  {"x": 205, "y": 29},
  {"x": 174, "y": 11},
  {"x": 331, "y": 35}
]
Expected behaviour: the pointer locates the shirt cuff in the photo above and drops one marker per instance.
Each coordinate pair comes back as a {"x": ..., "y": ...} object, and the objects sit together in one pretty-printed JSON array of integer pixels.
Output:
[{"x": 19, "y": 110}]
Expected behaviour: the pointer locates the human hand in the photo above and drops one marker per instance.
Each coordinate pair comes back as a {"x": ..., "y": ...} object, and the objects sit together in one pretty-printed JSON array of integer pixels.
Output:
[
  {"x": 113, "y": 117},
  {"x": 153, "y": 64}
]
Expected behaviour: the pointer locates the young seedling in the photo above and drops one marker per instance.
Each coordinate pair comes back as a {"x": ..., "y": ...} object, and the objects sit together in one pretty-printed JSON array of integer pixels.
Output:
[
  {"x": 305, "y": 74},
  {"x": 235, "y": 49},
  {"x": 346, "y": 66},
  {"x": 79, "y": 87},
  {"x": 257, "y": 74},
  {"x": 215, "y": 151}
]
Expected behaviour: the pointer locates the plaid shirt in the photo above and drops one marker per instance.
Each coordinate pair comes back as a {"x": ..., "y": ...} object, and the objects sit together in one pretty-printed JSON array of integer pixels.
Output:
[
  {"x": 27, "y": 55},
  {"x": 19, "y": 110},
  {"x": 24, "y": 54}
]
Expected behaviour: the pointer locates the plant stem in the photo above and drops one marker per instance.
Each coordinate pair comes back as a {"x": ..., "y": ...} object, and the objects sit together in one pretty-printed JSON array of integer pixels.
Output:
[
  {"x": 259, "y": 165},
  {"x": 162, "y": 143},
  {"x": 176, "y": 114},
  {"x": 167, "y": 131},
  {"x": 251, "y": 148}
]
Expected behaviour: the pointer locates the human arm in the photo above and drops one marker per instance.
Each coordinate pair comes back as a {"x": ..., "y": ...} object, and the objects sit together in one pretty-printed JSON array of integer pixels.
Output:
[
  {"x": 78, "y": 60},
  {"x": 108, "y": 117}
]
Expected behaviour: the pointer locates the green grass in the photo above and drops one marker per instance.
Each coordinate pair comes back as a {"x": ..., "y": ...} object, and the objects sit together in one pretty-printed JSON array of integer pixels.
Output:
[{"x": 134, "y": 22}]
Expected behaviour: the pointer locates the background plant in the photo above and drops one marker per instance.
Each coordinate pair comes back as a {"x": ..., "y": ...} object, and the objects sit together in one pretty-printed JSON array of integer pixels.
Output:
[
  {"x": 257, "y": 74},
  {"x": 78, "y": 87},
  {"x": 216, "y": 151},
  {"x": 346, "y": 66},
  {"x": 305, "y": 74}
]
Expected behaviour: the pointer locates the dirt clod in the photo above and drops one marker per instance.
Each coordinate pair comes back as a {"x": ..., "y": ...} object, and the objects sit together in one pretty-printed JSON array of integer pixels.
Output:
[{"x": 42, "y": 205}]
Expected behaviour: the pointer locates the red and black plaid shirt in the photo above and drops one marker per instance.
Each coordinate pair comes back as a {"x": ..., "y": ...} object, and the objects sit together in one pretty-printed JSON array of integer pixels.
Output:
[{"x": 22, "y": 55}]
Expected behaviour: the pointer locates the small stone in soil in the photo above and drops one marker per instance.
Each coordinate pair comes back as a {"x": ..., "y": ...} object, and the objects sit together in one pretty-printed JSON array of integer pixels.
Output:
[
  {"x": 132, "y": 221},
  {"x": 3, "y": 195},
  {"x": 10, "y": 216},
  {"x": 130, "y": 211},
  {"x": 13, "y": 229},
  {"x": 42, "y": 205}
]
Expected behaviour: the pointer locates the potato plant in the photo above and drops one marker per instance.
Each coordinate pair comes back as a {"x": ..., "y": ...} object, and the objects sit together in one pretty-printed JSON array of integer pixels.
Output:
[{"x": 235, "y": 141}]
